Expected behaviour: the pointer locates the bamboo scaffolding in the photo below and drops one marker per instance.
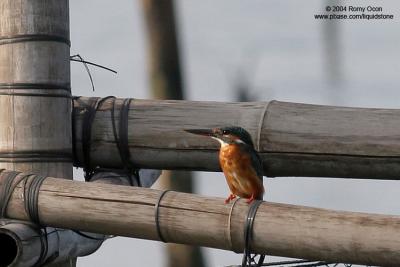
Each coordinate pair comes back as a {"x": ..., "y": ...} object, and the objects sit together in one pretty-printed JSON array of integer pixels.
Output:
[
  {"x": 292, "y": 139},
  {"x": 279, "y": 229},
  {"x": 35, "y": 122},
  {"x": 24, "y": 242}
]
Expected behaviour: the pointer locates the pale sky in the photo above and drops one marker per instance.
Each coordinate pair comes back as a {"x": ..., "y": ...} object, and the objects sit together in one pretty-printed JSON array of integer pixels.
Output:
[{"x": 283, "y": 50}]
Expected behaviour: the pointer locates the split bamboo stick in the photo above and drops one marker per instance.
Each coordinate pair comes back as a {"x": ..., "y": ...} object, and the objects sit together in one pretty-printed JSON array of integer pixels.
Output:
[
  {"x": 279, "y": 229},
  {"x": 292, "y": 139}
]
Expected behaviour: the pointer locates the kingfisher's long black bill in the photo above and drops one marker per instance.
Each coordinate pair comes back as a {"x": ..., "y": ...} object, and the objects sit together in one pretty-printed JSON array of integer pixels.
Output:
[{"x": 204, "y": 132}]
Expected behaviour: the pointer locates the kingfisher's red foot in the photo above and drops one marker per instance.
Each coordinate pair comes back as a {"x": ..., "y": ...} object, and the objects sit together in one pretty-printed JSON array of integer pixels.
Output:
[
  {"x": 250, "y": 200},
  {"x": 231, "y": 197}
]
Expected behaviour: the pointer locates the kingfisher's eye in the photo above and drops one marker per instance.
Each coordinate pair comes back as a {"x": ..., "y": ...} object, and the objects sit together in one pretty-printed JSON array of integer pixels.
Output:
[{"x": 224, "y": 132}]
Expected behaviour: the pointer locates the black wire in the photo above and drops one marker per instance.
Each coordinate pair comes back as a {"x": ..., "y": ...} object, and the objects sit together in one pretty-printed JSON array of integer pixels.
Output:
[
  {"x": 248, "y": 260},
  {"x": 7, "y": 190},
  {"x": 85, "y": 65},
  {"x": 94, "y": 104},
  {"x": 78, "y": 58},
  {"x": 156, "y": 215},
  {"x": 122, "y": 141},
  {"x": 90, "y": 63}
]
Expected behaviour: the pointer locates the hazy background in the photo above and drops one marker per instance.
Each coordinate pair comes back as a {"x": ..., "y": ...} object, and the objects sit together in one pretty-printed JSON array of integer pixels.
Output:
[{"x": 283, "y": 52}]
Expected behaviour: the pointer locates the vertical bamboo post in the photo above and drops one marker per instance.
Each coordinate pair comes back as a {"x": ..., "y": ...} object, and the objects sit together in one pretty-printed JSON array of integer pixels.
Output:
[
  {"x": 166, "y": 83},
  {"x": 35, "y": 125}
]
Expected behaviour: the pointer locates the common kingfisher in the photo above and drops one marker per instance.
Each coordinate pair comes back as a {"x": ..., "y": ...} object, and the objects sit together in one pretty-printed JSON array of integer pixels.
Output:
[{"x": 239, "y": 161}]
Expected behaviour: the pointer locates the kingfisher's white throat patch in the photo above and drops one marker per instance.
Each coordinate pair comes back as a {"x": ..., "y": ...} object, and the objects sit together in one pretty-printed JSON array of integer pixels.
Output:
[{"x": 222, "y": 142}]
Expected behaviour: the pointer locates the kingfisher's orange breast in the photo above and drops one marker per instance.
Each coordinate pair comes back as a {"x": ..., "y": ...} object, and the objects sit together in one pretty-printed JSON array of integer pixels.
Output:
[{"x": 239, "y": 172}]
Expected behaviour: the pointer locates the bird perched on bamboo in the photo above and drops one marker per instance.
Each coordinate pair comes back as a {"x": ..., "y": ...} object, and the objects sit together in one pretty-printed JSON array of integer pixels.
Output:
[{"x": 239, "y": 161}]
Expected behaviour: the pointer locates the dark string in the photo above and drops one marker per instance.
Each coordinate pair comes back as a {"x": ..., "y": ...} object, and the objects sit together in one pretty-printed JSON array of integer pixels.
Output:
[
  {"x": 6, "y": 191},
  {"x": 31, "y": 187},
  {"x": 78, "y": 58},
  {"x": 31, "y": 197},
  {"x": 31, "y": 192},
  {"x": 121, "y": 138},
  {"x": 45, "y": 248},
  {"x": 248, "y": 259},
  {"x": 72, "y": 58},
  {"x": 88, "y": 119},
  {"x": 157, "y": 214}
]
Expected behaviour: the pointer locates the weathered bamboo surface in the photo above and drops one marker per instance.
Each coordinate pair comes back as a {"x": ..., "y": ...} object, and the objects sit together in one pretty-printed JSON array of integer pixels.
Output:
[
  {"x": 35, "y": 129},
  {"x": 292, "y": 139},
  {"x": 279, "y": 229},
  {"x": 35, "y": 108}
]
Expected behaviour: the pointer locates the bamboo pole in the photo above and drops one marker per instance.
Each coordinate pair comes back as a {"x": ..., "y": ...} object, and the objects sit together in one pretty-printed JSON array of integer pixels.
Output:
[
  {"x": 165, "y": 77},
  {"x": 35, "y": 122},
  {"x": 24, "y": 242},
  {"x": 292, "y": 139},
  {"x": 279, "y": 229}
]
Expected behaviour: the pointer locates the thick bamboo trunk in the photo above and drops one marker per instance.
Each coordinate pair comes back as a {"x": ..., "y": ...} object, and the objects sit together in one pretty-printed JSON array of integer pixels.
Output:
[
  {"x": 292, "y": 139},
  {"x": 279, "y": 229},
  {"x": 35, "y": 121}
]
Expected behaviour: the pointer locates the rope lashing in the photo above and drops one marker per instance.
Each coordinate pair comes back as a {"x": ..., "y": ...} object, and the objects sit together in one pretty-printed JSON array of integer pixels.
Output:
[
  {"x": 120, "y": 136},
  {"x": 31, "y": 184}
]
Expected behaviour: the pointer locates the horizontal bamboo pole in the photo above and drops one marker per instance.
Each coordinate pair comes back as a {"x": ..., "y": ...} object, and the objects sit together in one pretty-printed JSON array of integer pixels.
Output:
[
  {"x": 23, "y": 242},
  {"x": 279, "y": 229},
  {"x": 292, "y": 139}
]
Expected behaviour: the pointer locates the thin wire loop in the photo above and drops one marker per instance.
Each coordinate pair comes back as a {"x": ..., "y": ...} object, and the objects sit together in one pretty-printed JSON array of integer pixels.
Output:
[
  {"x": 157, "y": 214},
  {"x": 78, "y": 58},
  {"x": 31, "y": 187},
  {"x": 122, "y": 139},
  {"x": 94, "y": 104},
  {"x": 248, "y": 259}
]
